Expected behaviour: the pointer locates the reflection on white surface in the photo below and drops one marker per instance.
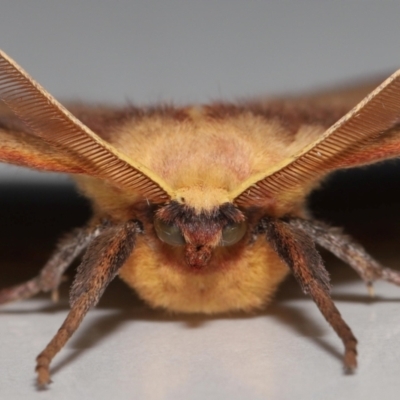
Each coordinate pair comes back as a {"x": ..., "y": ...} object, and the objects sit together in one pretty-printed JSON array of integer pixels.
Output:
[{"x": 125, "y": 350}]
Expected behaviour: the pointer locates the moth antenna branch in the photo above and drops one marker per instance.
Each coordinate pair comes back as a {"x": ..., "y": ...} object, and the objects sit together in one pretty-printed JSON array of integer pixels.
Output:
[
  {"x": 296, "y": 248},
  {"x": 348, "y": 250},
  {"x": 51, "y": 275},
  {"x": 104, "y": 257}
]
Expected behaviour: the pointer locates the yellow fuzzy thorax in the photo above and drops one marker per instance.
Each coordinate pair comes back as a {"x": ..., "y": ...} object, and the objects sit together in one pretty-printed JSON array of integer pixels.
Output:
[
  {"x": 209, "y": 153},
  {"x": 203, "y": 160}
]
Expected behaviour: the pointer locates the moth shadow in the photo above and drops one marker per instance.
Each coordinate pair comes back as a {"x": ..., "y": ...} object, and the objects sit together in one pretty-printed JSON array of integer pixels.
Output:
[
  {"x": 300, "y": 323},
  {"x": 126, "y": 308},
  {"x": 122, "y": 306},
  {"x": 297, "y": 319}
]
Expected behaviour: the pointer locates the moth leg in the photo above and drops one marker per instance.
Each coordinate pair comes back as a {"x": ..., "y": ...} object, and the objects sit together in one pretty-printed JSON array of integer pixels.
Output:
[
  {"x": 100, "y": 264},
  {"x": 348, "y": 250},
  {"x": 296, "y": 248},
  {"x": 50, "y": 276}
]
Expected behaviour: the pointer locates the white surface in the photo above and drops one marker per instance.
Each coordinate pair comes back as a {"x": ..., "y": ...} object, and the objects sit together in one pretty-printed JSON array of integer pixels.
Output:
[
  {"x": 123, "y": 350},
  {"x": 184, "y": 51}
]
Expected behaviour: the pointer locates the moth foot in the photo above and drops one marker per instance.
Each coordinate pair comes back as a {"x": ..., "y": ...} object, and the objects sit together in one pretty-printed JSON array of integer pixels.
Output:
[
  {"x": 43, "y": 371},
  {"x": 371, "y": 290},
  {"x": 350, "y": 361}
]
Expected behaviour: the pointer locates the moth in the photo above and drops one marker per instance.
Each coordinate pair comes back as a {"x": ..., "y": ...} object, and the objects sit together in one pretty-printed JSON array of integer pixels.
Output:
[{"x": 200, "y": 209}]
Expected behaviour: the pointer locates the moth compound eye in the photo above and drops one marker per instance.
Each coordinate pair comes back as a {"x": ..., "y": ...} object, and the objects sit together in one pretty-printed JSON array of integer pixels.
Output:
[
  {"x": 169, "y": 233},
  {"x": 232, "y": 233}
]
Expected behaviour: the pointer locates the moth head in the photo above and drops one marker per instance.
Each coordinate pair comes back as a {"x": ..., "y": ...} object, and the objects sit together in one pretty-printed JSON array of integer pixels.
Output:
[{"x": 199, "y": 232}]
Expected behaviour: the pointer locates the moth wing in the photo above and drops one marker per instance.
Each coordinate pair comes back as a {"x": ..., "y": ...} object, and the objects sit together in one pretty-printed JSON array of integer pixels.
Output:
[
  {"x": 64, "y": 139},
  {"x": 345, "y": 96},
  {"x": 368, "y": 133},
  {"x": 19, "y": 147}
]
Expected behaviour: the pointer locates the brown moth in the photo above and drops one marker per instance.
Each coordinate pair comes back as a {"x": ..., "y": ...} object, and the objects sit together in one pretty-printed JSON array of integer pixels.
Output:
[{"x": 199, "y": 209}]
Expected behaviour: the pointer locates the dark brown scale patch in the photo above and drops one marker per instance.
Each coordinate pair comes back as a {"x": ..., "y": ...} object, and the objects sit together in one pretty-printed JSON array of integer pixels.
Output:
[
  {"x": 175, "y": 211},
  {"x": 104, "y": 120},
  {"x": 290, "y": 115}
]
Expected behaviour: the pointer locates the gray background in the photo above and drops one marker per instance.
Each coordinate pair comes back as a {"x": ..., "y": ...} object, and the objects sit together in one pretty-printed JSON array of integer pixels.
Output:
[{"x": 196, "y": 51}]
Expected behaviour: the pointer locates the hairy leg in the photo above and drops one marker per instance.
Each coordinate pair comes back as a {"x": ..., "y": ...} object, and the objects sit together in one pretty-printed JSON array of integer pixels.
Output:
[
  {"x": 296, "y": 248},
  {"x": 100, "y": 264},
  {"x": 348, "y": 250},
  {"x": 50, "y": 276}
]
